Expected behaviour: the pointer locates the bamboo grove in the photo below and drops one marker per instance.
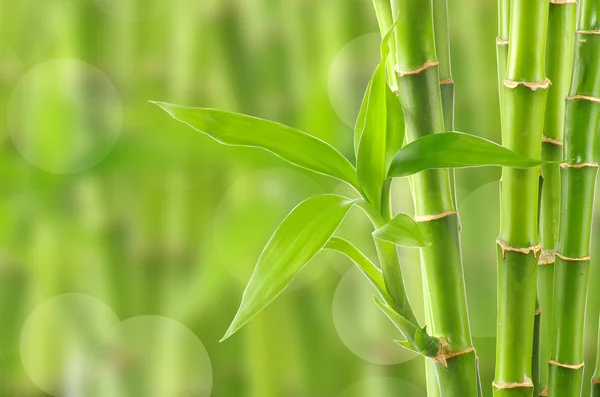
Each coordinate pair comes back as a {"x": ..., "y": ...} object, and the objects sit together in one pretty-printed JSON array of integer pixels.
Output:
[{"x": 548, "y": 64}]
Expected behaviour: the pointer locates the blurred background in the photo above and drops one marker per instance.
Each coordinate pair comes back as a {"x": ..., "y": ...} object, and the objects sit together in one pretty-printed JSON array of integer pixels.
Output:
[{"x": 126, "y": 238}]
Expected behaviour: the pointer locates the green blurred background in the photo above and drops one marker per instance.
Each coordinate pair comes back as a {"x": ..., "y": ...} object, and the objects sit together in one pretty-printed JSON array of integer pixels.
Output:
[{"x": 152, "y": 229}]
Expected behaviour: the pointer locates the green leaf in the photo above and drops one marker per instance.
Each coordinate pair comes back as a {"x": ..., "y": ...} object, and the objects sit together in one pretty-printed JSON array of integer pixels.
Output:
[
  {"x": 301, "y": 235},
  {"x": 395, "y": 125},
  {"x": 371, "y": 133},
  {"x": 293, "y": 146},
  {"x": 417, "y": 338},
  {"x": 404, "y": 231},
  {"x": 454, "y": 150}
]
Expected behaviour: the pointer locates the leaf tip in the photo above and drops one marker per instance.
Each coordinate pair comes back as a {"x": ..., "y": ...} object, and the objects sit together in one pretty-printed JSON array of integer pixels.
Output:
[{"x": 167, "y": 107}]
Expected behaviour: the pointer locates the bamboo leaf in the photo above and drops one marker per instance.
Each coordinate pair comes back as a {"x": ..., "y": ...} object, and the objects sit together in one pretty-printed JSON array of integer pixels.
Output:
[
  {"x": 417, "y": 338},
  {"x": 301, "y": 235},
  {"x": 395, "y": 125},
  {"x": 293, "y": 146},
  {"x": 404, "y": 231},
  {"x": 371, "y": 133},
  {"x": 454, "y": 150}
]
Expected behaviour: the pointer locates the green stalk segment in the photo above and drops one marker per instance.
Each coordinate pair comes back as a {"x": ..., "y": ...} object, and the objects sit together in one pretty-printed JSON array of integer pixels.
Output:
[
  {"x": 419, "y": 93},
  {"x": 559, "y": 60},
  {"x": 523, "y": 101},
  {"x": 578, "y": 184}
]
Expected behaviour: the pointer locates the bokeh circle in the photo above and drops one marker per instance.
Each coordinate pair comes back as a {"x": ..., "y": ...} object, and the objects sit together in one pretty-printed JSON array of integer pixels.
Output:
[
  {"x": 361, "y": 325},
  {"x": 64, "y": 116},
  {"x": 59, "y": 336}
]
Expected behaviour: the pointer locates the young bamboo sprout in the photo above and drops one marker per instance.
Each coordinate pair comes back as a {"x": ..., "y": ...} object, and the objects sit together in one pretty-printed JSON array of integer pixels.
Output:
[
  {"x": 559, "y": 62},
  {"x": 578, "y": 184},
  {"x": 311, "y": 226},
  {"x": 523, "y": 101}
]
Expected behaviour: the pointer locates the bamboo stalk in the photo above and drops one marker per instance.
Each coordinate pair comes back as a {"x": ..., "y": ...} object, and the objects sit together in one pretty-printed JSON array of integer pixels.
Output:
[
  {"x": 419, "y": 93},
  {"x": 578, "y": 184},
  {"x": 523, "y": 101},
  {"x": 442, "y": 42},
  {"x": 559, "y": 59}
]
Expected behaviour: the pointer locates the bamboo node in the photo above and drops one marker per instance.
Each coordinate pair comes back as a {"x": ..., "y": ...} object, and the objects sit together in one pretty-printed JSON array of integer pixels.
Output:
[
  {"x": 429, "y": 218},
  {"x": 532, "y": 85},
  {"x": 544, "y": 392},
  {"x": 547, "y": 257},
  {"x": 551, "y": 141},
  {"x": 596, "y": 381},
  {"x": 566, "y": 2},
  {"x": 538, "y": 312},
  {"x": 394, "y": 89},
  {"x": 568, "y": 366},
  {"x": 582, "y": 97},
  {"x": 428, "y": 64},
  {"x": 500, "y": 41},
  {"x": 580, "y": 165},
  {"x": 567, "y": 259},
  {"x": 445, "y": 354},
  {"x": 446, "y": 82},
  {"x": 587, "y": 32},
  {"x": 527, "y": 383},
  {"x": 523, "y": 250}
]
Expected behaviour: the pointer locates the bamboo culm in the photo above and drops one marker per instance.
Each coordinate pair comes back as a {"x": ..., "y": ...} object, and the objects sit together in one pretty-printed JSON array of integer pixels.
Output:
[
  {"x": 523, "y": 102},
  {"x": 418, "y": 83},
  {"x": 578, "y": 184},
  {"x": 559, "y": 61}
]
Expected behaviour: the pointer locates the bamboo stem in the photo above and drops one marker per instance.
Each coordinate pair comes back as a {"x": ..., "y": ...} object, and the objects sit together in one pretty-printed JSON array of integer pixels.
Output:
[
  {"x": 559, "y": 59},
  {"x": 419, "y": 93},
  {"x": 442, "y": 41},
  {"x": 578, "y": 184},
  {"x": 523, "y": 101}
]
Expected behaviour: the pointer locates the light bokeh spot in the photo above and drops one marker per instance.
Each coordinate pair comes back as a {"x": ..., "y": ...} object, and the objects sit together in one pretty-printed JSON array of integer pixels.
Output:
[
  {"x": 361, "y": 325},
  {"x": 350, "y": 73},
  {"x": 149, "y": 356},
  {"x": 57, "y": 338},
  {"x": 73, "y": 131}
]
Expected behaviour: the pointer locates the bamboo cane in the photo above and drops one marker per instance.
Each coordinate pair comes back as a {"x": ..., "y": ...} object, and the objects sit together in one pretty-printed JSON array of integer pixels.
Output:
[
  {"x": 559, "y": 59},
  {"x": 523, "y": 100},
  {"x": 419, "y": 93},
  {"x": 578, "y": 184}
]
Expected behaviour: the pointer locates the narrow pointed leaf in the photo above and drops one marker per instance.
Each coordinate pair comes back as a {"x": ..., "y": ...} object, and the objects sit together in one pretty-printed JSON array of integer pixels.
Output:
[
  {"x": 395, "y": 125},
  {"x": 301, "y": 235},
  {"x": 454, "y": 150},
  {"x": 293, "y": 146},
  {"x": 404, "y": 231},
  {"x": 371, "y": 160}
]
